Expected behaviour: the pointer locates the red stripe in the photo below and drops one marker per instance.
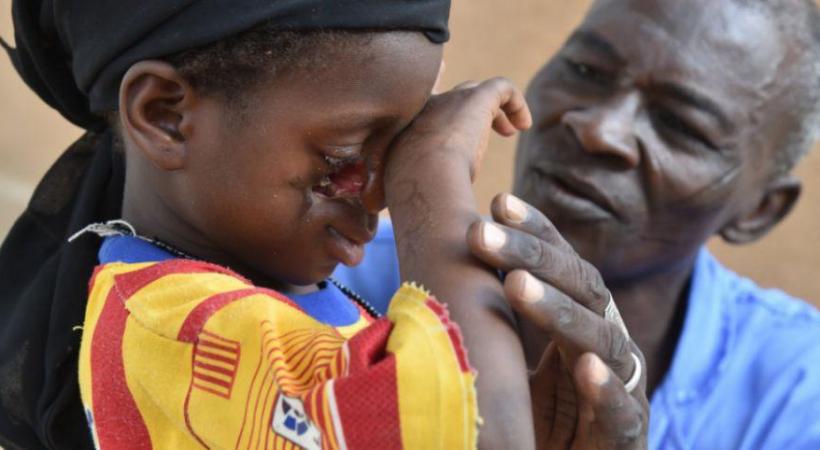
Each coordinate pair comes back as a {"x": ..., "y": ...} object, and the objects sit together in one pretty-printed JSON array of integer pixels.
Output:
[
  {"x": 212, "y": 380},
  {"x": 264, "y": 426},
  {"x": 217, "y": 369},
  {"x": 116, "y": 417},
  {"x": 186, "y": 406},
  {"x": 268, "y": 371},
  {"x": 223, "y": 394},
  {"x": 219, "y": 338},
  {"x": 251, "y": 391},
  {"x": 453, "y": 331},
  {"x": 130, "y": 282},
  {"x": 369, "y": 394},
  {"x": 209, "y": 344},
  {"x": 207, "y": 308},
  {"x": 215, "y": 357}
]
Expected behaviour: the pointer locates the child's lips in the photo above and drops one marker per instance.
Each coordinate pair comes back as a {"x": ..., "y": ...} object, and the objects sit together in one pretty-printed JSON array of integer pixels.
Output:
[{"x": 345, "y": 249}]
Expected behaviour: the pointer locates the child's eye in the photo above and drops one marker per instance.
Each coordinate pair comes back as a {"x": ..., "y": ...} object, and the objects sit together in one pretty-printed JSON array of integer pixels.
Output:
[
  {"x": 338, "y": 156},
  {"x": 343, "y": 151}
]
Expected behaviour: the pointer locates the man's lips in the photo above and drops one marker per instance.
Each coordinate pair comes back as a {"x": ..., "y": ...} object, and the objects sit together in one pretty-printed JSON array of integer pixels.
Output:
[{"x": 579, "y": 187}]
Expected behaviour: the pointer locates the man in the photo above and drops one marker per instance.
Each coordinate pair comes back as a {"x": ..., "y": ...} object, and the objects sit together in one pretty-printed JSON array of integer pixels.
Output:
[{"x": 659, "y": 124}]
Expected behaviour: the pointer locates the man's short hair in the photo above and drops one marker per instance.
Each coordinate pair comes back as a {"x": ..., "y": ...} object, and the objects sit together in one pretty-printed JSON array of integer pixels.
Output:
[{"x": 798, "y": 20}]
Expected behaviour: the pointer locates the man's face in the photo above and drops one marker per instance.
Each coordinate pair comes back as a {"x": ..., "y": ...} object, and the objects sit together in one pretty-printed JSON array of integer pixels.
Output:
[{"x": 654, "y": 126}]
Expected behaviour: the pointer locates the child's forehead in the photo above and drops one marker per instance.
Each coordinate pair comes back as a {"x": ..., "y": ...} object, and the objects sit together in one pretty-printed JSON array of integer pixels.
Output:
[{"x": 362, "y": 85}]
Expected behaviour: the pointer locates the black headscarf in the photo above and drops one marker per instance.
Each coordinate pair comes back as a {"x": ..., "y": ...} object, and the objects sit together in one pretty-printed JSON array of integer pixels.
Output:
[{"x": 73, "y": 54}]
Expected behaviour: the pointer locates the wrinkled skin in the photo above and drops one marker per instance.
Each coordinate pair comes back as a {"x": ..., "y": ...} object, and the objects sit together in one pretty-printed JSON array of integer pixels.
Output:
[
  {"x": 612, "y": 122},
  {"x": 656, "y": 126}
]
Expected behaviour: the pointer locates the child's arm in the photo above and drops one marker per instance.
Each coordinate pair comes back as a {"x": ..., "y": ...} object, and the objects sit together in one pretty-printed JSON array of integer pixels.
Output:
[{"x": 428, "y": 187}]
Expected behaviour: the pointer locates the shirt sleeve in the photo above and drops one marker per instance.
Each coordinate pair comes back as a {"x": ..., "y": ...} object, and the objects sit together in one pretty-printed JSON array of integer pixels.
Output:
[
  {"x": 246, "y": 368},
  {"x": 787, "y": 410}
]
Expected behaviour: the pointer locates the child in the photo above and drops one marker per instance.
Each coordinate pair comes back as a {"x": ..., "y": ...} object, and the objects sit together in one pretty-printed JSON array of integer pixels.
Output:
[{"x": 257, "y": 152}]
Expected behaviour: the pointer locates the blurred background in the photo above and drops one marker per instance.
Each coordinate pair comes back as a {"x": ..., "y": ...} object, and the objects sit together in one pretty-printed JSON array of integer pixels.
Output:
[{"x": 489, "y": 38}]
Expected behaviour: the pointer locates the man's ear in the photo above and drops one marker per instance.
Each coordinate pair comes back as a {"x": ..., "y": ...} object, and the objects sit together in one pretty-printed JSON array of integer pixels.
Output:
[
  {"x": 154, "y": 106},
  {"x": 780, "y": 197}
]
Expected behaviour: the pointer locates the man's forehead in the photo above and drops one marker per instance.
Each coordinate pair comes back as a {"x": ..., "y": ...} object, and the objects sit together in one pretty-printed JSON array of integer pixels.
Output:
[
  {"x": 691, "y": 32},
  {"x": 717, "y": 42}
]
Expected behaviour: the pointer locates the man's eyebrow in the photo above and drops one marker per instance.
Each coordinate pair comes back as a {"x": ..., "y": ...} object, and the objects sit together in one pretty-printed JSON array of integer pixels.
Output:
[
  {"x": 597, "y": 43},
  {"x": 696, "y": 100}
]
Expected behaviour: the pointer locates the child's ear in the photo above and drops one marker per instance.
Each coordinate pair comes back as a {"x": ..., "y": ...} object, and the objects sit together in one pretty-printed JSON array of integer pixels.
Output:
[
  {"x": 155, "y": 102},
  {"x": 775, "y": 204}
]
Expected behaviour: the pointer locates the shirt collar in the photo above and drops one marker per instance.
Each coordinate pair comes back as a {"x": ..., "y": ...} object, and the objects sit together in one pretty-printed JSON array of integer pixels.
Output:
[
  {"x": 130, "y": 249},
  {"x": 704, "y": 340}
]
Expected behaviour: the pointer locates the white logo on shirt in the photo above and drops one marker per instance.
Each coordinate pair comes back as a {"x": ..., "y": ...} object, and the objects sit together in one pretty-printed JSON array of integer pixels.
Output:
[{"x": 291, "y": 422}]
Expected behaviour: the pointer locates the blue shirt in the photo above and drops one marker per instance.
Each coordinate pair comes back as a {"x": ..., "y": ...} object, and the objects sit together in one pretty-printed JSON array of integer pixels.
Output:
[
  {"x": 746, "y": 370},
  {"x": 328, "y": 304}
]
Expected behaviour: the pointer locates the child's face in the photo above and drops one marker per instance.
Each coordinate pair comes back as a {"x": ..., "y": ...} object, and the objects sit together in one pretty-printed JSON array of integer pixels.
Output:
[{"x": 261, "y": 190}]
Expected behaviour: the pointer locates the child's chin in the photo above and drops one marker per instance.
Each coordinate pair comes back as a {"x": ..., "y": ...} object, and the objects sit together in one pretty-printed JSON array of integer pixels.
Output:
[{"x": 319, "y": 274}]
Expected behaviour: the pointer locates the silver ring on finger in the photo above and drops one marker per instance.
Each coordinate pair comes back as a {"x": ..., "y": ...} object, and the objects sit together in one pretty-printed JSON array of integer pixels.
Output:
[
  {"x": 637, "y": 372},
  {"x": 611, "y": 314}
]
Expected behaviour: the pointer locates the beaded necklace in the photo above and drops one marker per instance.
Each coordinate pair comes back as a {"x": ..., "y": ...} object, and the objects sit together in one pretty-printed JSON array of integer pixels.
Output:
[{"x": 123, "y": 228}]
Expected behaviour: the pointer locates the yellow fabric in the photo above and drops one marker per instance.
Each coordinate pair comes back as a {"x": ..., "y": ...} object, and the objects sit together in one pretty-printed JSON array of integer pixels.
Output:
[
  {"x": 428, "y": 385},
  {"x": 225, "y": 389}
]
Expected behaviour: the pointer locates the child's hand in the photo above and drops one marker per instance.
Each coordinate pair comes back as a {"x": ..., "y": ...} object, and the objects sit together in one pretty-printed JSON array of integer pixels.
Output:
[{"x": 452, "y": 132}]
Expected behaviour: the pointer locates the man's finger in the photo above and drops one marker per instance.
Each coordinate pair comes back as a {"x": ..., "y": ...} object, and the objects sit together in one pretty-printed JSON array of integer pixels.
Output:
[
  {"x": 515, "y": 213},
  {"x": 508, "y": 249},
  {"x": 610, "y": 417},
  {"x": 575, "y": 329}
]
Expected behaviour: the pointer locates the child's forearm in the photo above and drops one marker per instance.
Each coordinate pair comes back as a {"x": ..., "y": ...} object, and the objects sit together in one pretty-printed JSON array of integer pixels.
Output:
[{"x": 431, "y": 212}]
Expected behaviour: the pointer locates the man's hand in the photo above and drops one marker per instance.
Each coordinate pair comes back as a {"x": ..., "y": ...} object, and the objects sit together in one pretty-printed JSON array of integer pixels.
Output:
[{"x": 578, "y": 394}]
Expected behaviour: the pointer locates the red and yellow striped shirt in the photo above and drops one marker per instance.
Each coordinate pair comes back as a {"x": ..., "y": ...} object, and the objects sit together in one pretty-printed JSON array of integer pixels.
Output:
[{"x": 182, "y": 354}]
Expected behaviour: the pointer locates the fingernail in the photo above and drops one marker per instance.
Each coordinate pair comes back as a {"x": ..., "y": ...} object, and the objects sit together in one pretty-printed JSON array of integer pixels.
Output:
[
  {"x": 598, "y": 370},
  {"x": 516, "y": 210},
  {"x": 533, "y": 290},
  {"x": 492, "y": 237}
]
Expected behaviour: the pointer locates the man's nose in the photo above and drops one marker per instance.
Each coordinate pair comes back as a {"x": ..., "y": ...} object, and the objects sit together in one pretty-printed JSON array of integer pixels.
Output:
[{"x": 608, "y": 128}]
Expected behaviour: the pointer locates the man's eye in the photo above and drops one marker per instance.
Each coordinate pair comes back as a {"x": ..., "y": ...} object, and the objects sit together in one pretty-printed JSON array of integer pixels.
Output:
[
  {"x": 670, "y": 122},
  {"x": 587, "y": 72}
]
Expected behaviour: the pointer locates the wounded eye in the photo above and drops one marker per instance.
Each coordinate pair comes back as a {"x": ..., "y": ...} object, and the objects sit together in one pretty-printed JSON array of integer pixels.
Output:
[
  {"x": 334, "y": 163},
  {"x": 346, "y": 178}
]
